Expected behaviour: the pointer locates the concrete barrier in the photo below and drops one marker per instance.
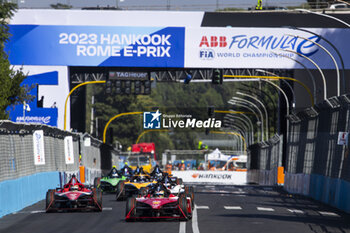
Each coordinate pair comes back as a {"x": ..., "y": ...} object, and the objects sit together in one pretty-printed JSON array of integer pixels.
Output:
[
  {"x": 334, "y": 192},
  {"x": 22, "y": 192}
]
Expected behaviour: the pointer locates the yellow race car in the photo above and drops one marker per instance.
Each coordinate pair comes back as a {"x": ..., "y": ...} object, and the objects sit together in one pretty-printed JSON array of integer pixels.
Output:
[{"x": 133, "y": 186}]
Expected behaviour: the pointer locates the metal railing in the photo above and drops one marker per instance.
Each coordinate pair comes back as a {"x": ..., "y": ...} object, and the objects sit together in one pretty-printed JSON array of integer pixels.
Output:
[{"x": 17, "y": 151}]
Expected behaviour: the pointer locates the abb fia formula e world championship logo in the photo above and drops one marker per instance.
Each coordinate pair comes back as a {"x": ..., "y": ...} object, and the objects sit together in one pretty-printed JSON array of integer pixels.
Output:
[{"x": 213, "y": 41}]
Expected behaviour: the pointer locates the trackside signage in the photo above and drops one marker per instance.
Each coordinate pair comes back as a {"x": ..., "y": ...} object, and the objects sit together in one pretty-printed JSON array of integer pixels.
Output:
[
  {"x": 157, "y": 120},
  {"x": 260, "y": 47},
  {"x": 96, "y": 46},
  {"x": 38, "y": 147},
  {"x": 212, "y": 177},
  {"x": 68, "y": 150}
]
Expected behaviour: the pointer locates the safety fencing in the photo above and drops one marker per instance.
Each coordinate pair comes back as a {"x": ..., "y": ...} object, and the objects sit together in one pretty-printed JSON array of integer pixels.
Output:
[
  {"x": 315, "y": 164},
  {"x": 35, "y": 158},
  {"x": 264, "y": 159}
]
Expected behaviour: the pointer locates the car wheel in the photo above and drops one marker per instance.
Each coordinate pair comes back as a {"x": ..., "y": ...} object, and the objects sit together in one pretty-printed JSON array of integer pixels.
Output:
[
  {"x": 120, "y": 194},
  {"x": 130, "y": 208},
  {"x": 97, "y": 182},
  {"x": 97, "y": 196},
  {"x": 50, "y": 200},
  {"x": 180, "y": 181},
  {"x": 143, "y": 191},
  {"x": 191, "y": 195},
  {"x": 183, "y": 205}
]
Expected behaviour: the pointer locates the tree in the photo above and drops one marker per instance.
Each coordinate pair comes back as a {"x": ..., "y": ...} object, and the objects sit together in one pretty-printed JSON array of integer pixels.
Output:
[
  {"x": 11, "y": 91},
  {"x": 60, "y": 6}
]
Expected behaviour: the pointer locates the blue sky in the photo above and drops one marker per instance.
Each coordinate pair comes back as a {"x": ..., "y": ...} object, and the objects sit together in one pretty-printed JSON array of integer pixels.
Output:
[{"x": 193, "y": 5}]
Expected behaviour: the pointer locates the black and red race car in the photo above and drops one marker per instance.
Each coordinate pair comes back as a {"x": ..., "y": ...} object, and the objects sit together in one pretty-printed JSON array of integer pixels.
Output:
[
  {"x": 158, "y": 203},
  {"x": 74, "y": 196}
]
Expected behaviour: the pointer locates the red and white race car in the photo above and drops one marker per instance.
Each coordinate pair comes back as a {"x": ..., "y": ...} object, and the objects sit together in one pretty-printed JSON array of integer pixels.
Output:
[
  {"x": 158, "y": 203},
  {"x": 73, "y": 196}
]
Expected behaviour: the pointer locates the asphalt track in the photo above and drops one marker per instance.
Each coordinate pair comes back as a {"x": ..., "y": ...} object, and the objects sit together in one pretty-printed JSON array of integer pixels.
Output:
[{"x": 244, "y": 209}]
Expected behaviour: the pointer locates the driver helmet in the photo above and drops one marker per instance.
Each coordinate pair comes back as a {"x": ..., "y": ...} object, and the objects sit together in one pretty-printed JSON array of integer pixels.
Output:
[
  {"x": 74, "y": 188},
  {"x": 159, "y": 193}
]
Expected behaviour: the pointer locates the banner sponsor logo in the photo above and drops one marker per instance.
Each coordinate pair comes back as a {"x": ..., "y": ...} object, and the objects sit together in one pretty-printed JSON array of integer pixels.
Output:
[
  {"x": 34, "y": 119},
  {"x": 212, "y": 176},
  {"x": 261, "y": 43},
  {"x": 275, "y": 48},
  {"x": 68, "y": 150},
  {"x": 343, "y": 138},
  {"x": 206, "y": 54},
  {"x": 118, "y": 45},
  {"x": 97, "y": 46},
  {"x": 38, "y": 147},
  {"x": 152, "y": 120}
]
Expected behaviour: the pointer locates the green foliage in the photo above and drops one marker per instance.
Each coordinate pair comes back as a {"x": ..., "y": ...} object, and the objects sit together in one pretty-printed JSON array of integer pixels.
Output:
[
  {"x": 60, "y": 6},
  {"x": 11, "y": 93},
  {"x": 171, "y": 98},
  {"x": 231, "y": 9}
]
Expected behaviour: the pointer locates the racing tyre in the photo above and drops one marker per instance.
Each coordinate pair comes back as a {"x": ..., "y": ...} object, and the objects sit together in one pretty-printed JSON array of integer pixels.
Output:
[
  {"x": 97, "y": 182},
  {"x": 143, "y": 192},
  {"x": 130, "y": 208},
  {"x": 120, "y": 194},
  {"x": 183, "y": 205},
  {"x": 98, "y": 199},
  {"x": 191, "y": 195},
  {"x": 50, "y": 198},
  {"x": 180, "y": 181}
]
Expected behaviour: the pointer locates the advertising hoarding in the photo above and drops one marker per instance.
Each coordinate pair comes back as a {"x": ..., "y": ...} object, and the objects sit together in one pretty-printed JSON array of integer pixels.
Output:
[
  {"x": 96, "y": 46},
  {"x": 38, "y": 147},
  {"x": 259, "y": 47}
]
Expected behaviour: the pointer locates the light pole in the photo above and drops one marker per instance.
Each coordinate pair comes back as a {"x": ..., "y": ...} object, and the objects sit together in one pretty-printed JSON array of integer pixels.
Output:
[
  {"x": 307, "y": 69},
  {"x": 148, "y": 131},
  {"x": 273, "y": 77},
  {"x": 116, "y": 116},
  {"x": 255, "y": 114},
  {"x": 67, "y": 98},
  {"x": 247, "y": 102},
  {"x": 250, "y": 123},
  {"x": 335, "y": 49},
  {"x": 287, "y": 104},
  {"x": 232, "y": 118},
  {"x": 319, "y": 69},
  {"x": 290, "y": 87},
  {"x": 333, "y": 59},
  {"x": 233, "y": 133},
  {"x": 261, "y": 94},
  {"x": 241, "y": 133},
  {"x": 266, "y": 114}
]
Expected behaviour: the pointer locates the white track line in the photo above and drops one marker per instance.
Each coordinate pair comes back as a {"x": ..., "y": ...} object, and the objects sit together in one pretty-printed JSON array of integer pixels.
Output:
[
  {"x": 107, "y": 208},
  {"x": 182, "y": 228},
  {"x": 296, "y": 211},
  {"x": 265, "y": 209},
  {"x": 202, "y": 207},
  {"x": 37, "y": 211},
  {"x": 195, "y": 228},
  {"x": 232, "y": 207},
  {"x": 324, "y": 213}
]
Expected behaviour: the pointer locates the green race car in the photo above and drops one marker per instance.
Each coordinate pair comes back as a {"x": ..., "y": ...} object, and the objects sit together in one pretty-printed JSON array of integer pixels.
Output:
[{"x": 109, "y": 183}]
